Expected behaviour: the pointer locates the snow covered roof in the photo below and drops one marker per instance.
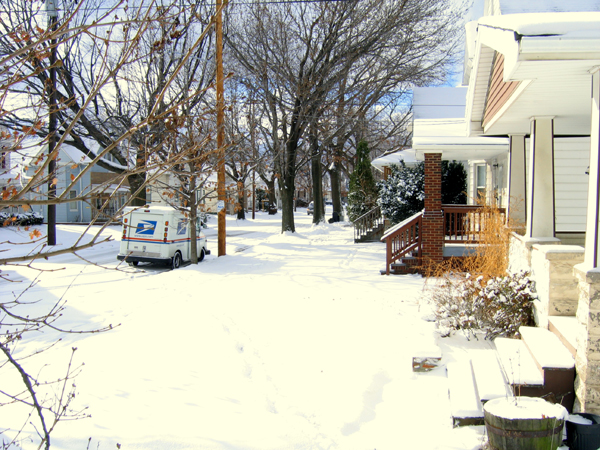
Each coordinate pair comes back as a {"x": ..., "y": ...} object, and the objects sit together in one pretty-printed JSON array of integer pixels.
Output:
[
  {"x": 75, "y": 155},
  {"x": 572, "y": 25},
  {"x": 408, "y": 156},
  {"x": 539, "y": 6},
  {"x": 439, "y": 102},
  {"x": 444, "y": 129},
  {"x": 551, "y": 54},
  {"x": 449, "y": 136}
]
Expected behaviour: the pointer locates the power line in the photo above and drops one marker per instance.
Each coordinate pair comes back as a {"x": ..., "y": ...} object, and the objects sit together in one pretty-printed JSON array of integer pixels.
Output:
[{"x": 233, "y": 3}]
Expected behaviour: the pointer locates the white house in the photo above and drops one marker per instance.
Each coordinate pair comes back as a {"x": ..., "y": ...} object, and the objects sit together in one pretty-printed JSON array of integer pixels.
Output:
[{"x": 531, "y": 133}]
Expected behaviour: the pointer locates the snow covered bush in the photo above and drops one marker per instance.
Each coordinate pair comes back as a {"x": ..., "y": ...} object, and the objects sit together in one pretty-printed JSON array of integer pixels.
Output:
[
  {"x": 454, "y": 306},
  {"x": 403, "y": 193},
  {"x": 497, "y": 307},
  {"x": 507, "y": 303},
  {"x": 30, "y": 218}
]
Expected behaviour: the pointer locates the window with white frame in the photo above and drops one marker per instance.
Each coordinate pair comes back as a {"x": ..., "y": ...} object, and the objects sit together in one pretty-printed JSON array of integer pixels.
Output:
[
  {"x": 480, "y": 176},
  {"x": 73, "y": 205}
]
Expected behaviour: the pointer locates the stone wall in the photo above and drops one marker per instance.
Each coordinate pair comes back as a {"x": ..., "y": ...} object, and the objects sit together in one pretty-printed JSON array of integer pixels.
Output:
[
  {"x": 556, "y": 285},
  {"x": 520, "y": 251},
  {"x": 587, "y": 361}
]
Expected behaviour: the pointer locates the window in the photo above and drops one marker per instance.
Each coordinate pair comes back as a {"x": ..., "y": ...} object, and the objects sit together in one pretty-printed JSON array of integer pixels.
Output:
[
  {"x": 481, "y": 181},
  {"x": 73, "y": 205}
]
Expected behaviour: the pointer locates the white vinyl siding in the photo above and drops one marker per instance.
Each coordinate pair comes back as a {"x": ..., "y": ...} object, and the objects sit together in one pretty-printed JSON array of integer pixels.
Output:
[{"x": 571, "y": 162}]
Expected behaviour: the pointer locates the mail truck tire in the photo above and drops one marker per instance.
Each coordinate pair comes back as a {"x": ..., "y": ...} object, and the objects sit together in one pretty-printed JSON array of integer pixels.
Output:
[
  {"x": 133, "y": 263},
  {"x": 177, "y": 260},
  {"x": 202, "y": 255}
]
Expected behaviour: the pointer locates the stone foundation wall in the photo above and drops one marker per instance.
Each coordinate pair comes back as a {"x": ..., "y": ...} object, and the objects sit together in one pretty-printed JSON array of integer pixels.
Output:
[
  {"x": 556, "y": 285},
  {"x": 521, "y": 247},
  {"x": 587, "y": 361}
]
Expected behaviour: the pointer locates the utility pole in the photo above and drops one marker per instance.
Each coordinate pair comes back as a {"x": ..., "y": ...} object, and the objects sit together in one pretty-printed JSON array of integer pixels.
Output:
[
  {"x": 253, "y": 144},
  {"x": 220, "y": 132},
  {"x": 52, "y": 19}
]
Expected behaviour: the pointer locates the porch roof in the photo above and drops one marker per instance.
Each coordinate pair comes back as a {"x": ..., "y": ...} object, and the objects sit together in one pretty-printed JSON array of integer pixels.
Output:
[
  {"x": 551, "y": 55},
  {"x": 408, "y": 156},
  {"x": 449, "y": 137}
]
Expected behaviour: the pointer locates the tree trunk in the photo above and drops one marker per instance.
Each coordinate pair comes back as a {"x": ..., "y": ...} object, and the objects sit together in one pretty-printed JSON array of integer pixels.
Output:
[
  {"x": 287, "y": 205},
  {"x": 241, "y": 213},
  {"x": 336, "y": 192},
  {"x": 193, "y": 219},
  {"x": 136, "y": 184},
  {"x": 270, "y": 190},
  {"x": 317, "y": 177},
  {"x": 287, "y": 181},
  {"x": 317, "y": 182}
]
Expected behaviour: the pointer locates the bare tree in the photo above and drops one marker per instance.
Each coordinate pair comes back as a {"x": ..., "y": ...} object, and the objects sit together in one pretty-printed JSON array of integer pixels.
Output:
[
  {"x": 126, "y": 75},
  {"x": 298, "y": 54},
  {"x": 118, "y": 66}
]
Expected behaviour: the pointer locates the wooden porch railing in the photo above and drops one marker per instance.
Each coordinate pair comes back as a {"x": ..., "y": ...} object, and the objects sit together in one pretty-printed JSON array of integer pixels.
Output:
[
  {"x": 464, "y": 223},
  {"x": 403, "y": 238},
  {"x": 367, "y": 223}
]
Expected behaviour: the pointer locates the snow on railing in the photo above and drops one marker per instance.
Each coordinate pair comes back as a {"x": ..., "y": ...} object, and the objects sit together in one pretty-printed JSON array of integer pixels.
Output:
[{"x": 367, "y": 223}]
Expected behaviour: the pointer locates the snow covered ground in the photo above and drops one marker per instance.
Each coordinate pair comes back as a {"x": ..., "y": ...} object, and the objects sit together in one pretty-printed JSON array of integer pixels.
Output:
[{"x": 291, "y": 341}]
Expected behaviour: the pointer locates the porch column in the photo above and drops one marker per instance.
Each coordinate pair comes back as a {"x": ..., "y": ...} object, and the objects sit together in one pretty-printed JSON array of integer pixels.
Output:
[
  {"x": 517, "y": 192},
  {"x": 587, "y": 360},
  {"x": 540, "y": 203},
  {"x": 592, "y": 243},
  {"x": 433, "y": 217}
]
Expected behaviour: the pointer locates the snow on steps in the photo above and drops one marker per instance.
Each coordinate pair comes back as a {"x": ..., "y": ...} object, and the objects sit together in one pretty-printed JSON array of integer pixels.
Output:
[
  {"x": 538, "y": 365},
  {"x": 519, "y": 366},
  {"x": 471, "y": 383},
  {"x": 565, "y": 327}
]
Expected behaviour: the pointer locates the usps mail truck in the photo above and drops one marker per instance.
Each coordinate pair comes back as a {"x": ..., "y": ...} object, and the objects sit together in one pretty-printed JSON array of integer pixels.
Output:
[{"x": 159, "y": 234}]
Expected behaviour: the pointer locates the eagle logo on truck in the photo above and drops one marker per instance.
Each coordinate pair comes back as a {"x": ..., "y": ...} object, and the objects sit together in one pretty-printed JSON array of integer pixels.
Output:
[
  {"x": 146, "y": 227},
  {"x": 182, "y": 227}
]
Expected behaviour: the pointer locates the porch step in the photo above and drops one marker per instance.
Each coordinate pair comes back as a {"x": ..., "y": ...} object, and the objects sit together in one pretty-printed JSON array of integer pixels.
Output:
[
  {"x": 406, "y": 265},
  {"x": 518, "y": 365},
  {"x": 538, "y": 365},
  {"x": 473, "y": 382},
  {"x": 565, "y": 328},
  {"x": 491, "y": 383},
  {"x": 547, "y": 349},
  {"x": 465, "y": 405},
  {"x": 373, "y": 235}
]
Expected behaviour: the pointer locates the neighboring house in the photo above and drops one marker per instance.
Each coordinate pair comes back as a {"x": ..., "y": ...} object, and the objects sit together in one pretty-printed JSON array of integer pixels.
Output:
[
  {"x": 439, "y": 126},
  {"x": 531, "y": 133},
  {"x": 104, "y": 193}
]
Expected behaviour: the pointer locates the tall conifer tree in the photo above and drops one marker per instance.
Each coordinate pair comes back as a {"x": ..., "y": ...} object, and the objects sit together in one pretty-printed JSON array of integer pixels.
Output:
[{"x": 362, "y": 195}]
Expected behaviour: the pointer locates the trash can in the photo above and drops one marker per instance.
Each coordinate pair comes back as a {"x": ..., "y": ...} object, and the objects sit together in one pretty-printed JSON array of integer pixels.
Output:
[{"x": 584, "y": 436}]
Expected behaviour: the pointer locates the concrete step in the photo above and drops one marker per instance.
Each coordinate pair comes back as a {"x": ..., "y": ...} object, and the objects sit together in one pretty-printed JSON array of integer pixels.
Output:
[
  {"x": 465, "y": 405},
  {"x": 473, "y": 382},
  {"x": 565, "y": 328},
  {"x": 538, "y": 365},
  {"x": 555, "y": 362},
  {"x": 519, "y": 367},
  {"x": 547, "y": 349},
  {"x": 489, "y": 379}
]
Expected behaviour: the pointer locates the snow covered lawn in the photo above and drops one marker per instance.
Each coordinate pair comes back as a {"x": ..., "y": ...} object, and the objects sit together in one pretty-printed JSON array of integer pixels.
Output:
[{"x": 291, "y": 341}]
